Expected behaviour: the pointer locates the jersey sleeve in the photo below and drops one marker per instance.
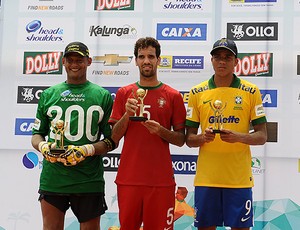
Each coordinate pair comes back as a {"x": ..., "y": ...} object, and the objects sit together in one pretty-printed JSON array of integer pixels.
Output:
[
  {"x": 118, "y": 106},
  {"x": 179, "y": 114},
  {"x": 258, "y": 115},
  {"x": 193, "y": 115},
  {"x": 41, "y": 123}
]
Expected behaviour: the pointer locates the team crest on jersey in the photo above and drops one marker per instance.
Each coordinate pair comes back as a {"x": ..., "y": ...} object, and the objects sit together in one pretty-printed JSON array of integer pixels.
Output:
[
  {"x": 238, "y": 100},
  {"x": 238, "y": 103},
  {"x": 161, "y": 102}
]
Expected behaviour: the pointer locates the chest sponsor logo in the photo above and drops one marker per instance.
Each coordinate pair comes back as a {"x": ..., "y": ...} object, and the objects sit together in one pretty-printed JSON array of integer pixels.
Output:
[{"x": 253, "y": 31}]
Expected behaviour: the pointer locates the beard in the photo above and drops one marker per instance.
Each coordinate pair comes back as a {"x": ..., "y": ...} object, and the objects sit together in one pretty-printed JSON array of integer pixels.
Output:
[{"x": 147, "y": 73}]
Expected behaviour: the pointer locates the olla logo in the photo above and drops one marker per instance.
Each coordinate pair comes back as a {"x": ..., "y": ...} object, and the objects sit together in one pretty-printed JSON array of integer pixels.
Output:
[{"x": 30, "y": 160}]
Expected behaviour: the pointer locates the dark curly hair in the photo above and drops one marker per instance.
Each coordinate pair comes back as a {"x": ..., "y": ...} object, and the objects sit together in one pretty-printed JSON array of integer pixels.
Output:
[{"x": 143, "y": 43}]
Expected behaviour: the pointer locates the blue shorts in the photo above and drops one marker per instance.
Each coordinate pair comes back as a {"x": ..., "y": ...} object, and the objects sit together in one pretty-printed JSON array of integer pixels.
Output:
[{"x": 230, "y": 207}]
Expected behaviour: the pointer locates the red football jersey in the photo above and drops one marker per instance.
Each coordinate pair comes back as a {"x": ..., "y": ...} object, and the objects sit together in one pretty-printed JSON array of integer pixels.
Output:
[{"x": 145, "y": 157}]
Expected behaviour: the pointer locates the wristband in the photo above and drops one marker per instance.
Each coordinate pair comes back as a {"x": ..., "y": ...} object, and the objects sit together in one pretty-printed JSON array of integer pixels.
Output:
[
  {"x": 110, "y": 144},
  {"x": 41, "y": 144},
  {"x": 90, "y": 149}
]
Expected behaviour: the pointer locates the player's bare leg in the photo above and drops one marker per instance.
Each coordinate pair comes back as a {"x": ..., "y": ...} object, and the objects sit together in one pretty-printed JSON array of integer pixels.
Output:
[
  {"x": 93, "y": 224},
  {"x": 53, "y": 218}
]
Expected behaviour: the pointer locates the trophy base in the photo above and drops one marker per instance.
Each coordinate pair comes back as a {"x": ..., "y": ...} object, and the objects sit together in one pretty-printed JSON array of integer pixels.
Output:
[
  {"x": 57, "y": 151},
  {"x": 217, "y": 131},
  {"x": 133, "y": 118}
]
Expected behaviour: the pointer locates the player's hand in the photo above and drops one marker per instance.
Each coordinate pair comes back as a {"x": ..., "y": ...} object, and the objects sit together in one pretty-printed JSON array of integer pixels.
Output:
[
  {"x": 44, "y": 148},
  {"x": 209, "y": 136},
  {"x": 75, "y": 154},
  {"x": 131, "y": 106},
  {"x": 153, "y": 126}
]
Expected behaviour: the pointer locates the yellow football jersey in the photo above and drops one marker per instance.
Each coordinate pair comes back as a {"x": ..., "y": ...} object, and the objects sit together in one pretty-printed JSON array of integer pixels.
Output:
[{"x": 222, "y": 164}]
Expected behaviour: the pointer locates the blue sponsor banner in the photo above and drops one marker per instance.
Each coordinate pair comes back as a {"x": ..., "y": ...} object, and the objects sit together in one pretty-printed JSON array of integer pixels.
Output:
[
  {"x": 189, "y": 31},
  {"x": 269, "y": 97},
  {"x": 188, "y": 62},
  {"x": 112, "y": 90},
  {"x": 184, "y": 164},
  {"x": 24, "y": 126}
]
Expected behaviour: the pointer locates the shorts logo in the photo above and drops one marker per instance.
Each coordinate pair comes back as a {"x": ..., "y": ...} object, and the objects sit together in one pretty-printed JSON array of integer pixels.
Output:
[{"x": 245, "y": 219}]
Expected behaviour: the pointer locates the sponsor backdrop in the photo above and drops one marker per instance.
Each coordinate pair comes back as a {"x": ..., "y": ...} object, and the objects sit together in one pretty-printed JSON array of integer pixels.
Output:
[{"x": 35, "y": 32}]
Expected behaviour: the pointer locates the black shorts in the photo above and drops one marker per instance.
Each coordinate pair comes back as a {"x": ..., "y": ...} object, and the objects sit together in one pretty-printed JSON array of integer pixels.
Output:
[{"x": 84, "y": 206}]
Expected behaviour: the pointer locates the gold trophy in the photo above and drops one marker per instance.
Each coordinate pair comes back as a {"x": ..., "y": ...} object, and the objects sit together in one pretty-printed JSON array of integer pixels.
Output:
[
  {"x": 218, "y": 109},
  {"x": 59, "y": 129},
  {"x": 139, "y": 95}
]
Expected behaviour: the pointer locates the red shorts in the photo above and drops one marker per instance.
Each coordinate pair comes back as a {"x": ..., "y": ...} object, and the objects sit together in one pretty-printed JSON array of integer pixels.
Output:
[{"x": 151, "y": 206}]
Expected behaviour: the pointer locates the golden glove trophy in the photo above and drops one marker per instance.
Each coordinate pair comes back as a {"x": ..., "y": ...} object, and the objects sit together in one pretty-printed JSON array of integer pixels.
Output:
[
  {"x": 59, "y": 129},
  {"x": 218, "y": 109},
  {"x": 139, "y": 95}
]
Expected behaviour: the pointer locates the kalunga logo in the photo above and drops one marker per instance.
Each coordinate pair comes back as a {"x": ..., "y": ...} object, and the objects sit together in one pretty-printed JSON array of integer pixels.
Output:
[
  {"x": 29, "y": 94},
  {"x": 124, "y": 32},
  {"x": 114, "y": 5},
  {"x": 254, "y": 64},
  {"x": 253, "y": 31},
  {"x": 42, "y": 63}
]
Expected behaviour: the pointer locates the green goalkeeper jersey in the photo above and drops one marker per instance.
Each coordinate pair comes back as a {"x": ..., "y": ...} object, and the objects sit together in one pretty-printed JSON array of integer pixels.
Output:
[{"x": 85, "y": 110}]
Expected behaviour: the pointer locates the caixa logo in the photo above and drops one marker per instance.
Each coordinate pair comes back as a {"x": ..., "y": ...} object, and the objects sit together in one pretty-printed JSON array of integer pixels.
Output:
[
  {"x": 23, "y": 126},
  {"x": 189, "y": 31},
  {"x": 269, "y": 97},
  {"x": 253, "y": 31},
  {"x": 184, "y": 164}
]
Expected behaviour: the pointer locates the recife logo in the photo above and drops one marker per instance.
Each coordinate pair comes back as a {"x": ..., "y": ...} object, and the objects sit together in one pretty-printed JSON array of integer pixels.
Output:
[
  {"x": 24, "y": 126},
  {"x": 190, "y": 31},
  {"x": 31, "y": 160},
  {"x": 38, "y": 33}
]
